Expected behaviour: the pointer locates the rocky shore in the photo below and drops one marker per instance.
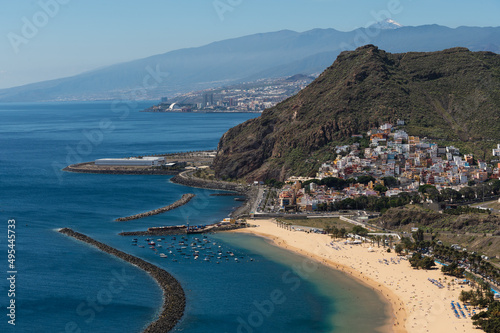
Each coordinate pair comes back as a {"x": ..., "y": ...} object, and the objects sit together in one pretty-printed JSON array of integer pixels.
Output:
[
  {"x": 174, "y": 299},
  {"x": 186, "y": 178},
  {"x": 250, "y": 192},
  {"x": 182, "y": 201},
  {"x": 231, "y": 194}
]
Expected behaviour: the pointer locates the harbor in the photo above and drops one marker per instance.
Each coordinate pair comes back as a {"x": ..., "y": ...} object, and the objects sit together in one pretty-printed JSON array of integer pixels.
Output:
[{"x": 191, "y": 248}]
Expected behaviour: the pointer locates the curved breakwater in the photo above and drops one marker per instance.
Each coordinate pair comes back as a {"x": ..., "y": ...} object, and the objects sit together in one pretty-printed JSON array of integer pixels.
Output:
[
  {"x": 174, "y": 299},
  {"x": 182, "y": 201}
]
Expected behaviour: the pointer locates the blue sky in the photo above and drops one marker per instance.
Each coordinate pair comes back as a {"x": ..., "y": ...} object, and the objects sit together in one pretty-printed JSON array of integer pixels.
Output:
[{"x": 72, "y": 36}]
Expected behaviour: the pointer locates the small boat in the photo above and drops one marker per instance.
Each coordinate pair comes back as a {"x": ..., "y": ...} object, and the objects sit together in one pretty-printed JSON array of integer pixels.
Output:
[
  {"x": 141, "y": 246},
  {"x": 163, "y": 255}
]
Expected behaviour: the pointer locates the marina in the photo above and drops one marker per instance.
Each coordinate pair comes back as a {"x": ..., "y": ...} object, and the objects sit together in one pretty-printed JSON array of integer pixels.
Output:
[{"x": 194, "y": 249}]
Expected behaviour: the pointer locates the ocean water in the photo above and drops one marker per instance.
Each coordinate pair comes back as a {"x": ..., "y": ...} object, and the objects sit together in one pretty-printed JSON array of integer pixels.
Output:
[{"x": 63, "y": 285}]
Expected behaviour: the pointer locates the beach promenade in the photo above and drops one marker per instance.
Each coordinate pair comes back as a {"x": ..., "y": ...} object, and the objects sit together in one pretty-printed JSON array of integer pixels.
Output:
[{"x": 417, "y": 304}]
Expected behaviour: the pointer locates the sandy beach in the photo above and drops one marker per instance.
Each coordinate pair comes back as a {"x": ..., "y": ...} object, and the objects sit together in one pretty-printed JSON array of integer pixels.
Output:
[{"x": 417, "y": 304}]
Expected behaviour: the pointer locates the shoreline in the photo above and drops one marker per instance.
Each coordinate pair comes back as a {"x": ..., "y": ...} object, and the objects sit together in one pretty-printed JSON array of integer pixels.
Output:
[
  {"x": 186, "y": 178},
  {"x": 415, "y": 304},
  {"x": 174, "y": 299},
  {"x": 181, "y": 202},
  {"x": 385, "y": 294}
]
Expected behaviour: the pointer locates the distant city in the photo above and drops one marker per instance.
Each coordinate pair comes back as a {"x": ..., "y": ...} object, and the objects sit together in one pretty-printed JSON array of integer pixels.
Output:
[{"x": 246, "y": 97}]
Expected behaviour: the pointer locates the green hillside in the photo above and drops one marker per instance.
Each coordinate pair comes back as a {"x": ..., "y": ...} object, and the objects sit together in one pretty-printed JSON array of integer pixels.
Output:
[{"x": 451, "y": 96}]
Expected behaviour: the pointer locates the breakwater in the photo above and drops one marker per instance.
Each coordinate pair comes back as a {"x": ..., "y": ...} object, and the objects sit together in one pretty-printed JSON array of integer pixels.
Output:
[
  {"x": 183, "y": 230},
  {"x": 174, "y": 299},
  {"x": 232, "y": 194},
  {"x": 182, "y": 201},
  {"x": 158, "y": 231},
  {"x": 89, "y": 167}
]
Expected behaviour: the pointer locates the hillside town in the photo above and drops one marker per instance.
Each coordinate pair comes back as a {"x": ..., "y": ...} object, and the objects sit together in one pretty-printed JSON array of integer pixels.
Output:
[{"x": 391, "y": 162}]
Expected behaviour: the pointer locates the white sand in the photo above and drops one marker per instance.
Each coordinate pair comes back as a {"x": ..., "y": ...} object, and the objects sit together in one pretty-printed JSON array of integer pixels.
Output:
[{"x": 417, "y": 304}]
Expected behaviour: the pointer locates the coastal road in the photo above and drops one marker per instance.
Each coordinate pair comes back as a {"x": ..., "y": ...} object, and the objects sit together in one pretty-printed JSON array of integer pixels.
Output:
[{"x": 258, "y": 199}]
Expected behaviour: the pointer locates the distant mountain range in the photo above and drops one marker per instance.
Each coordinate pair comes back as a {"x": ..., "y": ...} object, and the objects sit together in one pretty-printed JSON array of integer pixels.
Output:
[{"x": 275, "y": 54}]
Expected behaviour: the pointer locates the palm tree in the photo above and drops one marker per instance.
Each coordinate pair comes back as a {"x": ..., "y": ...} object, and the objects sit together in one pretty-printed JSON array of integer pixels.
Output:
[{"x": 335, "y": 232}]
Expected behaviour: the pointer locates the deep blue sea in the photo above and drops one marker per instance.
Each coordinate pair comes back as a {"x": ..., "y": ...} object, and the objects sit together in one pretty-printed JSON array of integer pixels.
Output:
[{"x": 62, "y": 285}]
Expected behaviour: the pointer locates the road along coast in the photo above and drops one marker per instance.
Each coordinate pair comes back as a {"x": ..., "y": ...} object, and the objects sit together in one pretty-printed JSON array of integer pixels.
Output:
[
  {"x": 182, "y": 201},
  {"x": 417, "y": 304},
  {"x": 174, "y": 299}
]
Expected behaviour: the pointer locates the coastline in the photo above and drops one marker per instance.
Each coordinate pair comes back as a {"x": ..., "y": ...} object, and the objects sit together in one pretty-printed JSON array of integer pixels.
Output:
[
  {"x": 415, "y": 304},
  {"x": 186, "y": 178},
  {"x": 174, "y": 299}
]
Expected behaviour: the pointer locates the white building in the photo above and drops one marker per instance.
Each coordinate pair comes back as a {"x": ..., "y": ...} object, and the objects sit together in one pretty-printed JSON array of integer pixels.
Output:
[
  {"x": 496, "y": 152},
  {"x": 386, "y": 127},
  {"x": 401, "y": 135},
  {"x": 145, "y": 161}
]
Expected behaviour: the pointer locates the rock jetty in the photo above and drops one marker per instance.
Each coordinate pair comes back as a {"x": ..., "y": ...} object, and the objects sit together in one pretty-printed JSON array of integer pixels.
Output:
[
  {"x": 174, "y": 299},
  {"x": 90, "y": 167},
  {"x": 182, "y": 201},
  {"x": 183, "y": 230}
]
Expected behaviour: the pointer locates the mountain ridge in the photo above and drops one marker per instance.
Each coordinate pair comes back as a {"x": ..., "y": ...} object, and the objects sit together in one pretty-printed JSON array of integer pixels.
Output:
[
  {"x": 451, "y": 95},
  {"x": 257, "y": 56}
]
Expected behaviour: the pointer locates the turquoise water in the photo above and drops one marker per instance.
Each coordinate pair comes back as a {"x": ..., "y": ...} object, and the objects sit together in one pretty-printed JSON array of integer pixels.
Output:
[{"x": 65, "y": 286}]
